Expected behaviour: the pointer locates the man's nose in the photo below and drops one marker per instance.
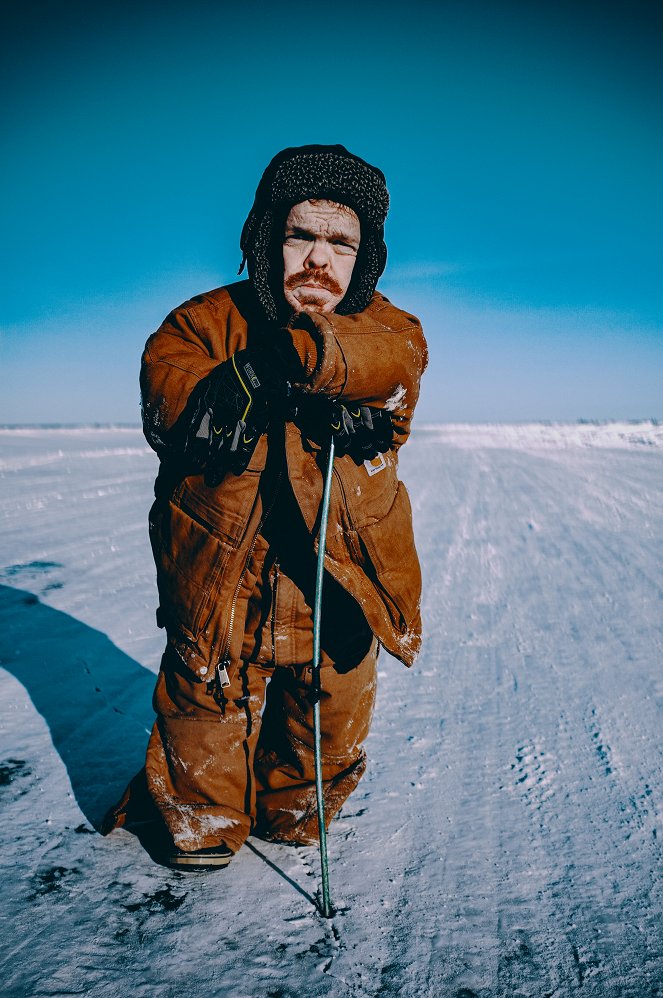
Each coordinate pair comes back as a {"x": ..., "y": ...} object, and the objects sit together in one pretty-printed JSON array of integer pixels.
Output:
[{"x": 318, "y": 255}]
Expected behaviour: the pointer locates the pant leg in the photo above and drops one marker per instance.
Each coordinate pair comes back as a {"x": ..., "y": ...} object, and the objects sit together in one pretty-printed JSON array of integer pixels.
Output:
[
  {"x": 284, "y": 763},
  {"x": 200, "y": 755}
]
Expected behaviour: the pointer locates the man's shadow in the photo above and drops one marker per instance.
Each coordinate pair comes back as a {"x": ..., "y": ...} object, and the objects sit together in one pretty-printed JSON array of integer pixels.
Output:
[
  {"x": 95, "y": 699},
  {"x": 97, "y": 703}
]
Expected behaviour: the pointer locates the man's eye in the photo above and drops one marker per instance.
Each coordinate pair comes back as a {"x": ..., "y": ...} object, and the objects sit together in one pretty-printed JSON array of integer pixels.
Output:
[{"x": 297, "y": 236}]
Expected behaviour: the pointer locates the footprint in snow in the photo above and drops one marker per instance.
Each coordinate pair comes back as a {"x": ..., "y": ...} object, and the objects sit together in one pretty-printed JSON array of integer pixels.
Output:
[
  {"x": 12, "y": 769},
  {"x": 13, "y": 773},
  {"x": 52, "y": 880},
  {"x": 532, "y": 774},
  {"x": 161, "y": 900}
]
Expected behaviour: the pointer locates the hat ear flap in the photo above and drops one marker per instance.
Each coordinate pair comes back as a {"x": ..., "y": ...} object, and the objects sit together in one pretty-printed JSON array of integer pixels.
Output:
[
  {"x": 274, "y": 252},
  {"x": 263, "y": 264},
  {"x": 369, "y": 265}
]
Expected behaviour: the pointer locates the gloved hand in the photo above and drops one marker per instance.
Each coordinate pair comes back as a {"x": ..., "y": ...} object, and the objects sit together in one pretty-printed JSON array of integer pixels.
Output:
[
  {"x": 230, "y": 413},
  {"x": 358, "y": 430}
]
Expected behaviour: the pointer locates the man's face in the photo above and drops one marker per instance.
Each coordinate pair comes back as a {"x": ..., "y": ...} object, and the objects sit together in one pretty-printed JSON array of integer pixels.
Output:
[{"x": 319, "y": 252}]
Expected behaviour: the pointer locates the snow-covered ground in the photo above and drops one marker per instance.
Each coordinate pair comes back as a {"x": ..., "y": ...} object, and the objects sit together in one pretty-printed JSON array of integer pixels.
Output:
[{"x": 506, "y": 840}]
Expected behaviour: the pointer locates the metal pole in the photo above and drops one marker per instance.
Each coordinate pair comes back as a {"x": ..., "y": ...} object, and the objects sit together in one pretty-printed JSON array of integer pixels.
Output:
[{"x": 326, "y": 909}]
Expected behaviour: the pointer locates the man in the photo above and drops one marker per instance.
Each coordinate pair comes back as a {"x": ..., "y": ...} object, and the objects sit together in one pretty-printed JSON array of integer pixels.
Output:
[{"x": 242, "y": 390}]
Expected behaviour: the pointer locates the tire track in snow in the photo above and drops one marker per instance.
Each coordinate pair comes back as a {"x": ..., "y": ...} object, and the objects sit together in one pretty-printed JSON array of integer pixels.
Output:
[
  {"x": 447, "y": 887},
  {"x": 545, "y": 933},
  {"x": 586, "y": 884}
]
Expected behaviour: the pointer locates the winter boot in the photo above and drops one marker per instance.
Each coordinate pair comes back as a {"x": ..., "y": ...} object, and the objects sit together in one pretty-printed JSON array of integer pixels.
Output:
[{"x": 211, "y": 858}]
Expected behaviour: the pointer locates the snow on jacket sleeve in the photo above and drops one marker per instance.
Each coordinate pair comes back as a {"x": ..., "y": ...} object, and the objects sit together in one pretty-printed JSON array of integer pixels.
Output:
[{"x": 376, "y": 357}]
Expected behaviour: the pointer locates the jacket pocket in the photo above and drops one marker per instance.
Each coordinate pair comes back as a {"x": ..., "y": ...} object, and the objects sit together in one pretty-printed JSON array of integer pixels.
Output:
[
  {"x": 224, "y": 510},
  {"x": 368, "y": 498},
  {"x": 190, "y": 560},
  {"x": 387, "y": 546}
]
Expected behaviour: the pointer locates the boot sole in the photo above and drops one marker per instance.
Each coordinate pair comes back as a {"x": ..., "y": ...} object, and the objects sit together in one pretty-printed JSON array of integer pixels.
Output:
[{"x": 197, "y": 863}]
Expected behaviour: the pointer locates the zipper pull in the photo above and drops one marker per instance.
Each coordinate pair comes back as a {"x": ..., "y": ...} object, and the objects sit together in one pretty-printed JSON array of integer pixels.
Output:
[{"x": 222, "y": 677}]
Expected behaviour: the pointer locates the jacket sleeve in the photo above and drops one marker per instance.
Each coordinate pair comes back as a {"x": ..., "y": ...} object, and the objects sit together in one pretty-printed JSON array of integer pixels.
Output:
[
  {"x": 376, "y": 357},
  {"x": 175, "y": 359}
]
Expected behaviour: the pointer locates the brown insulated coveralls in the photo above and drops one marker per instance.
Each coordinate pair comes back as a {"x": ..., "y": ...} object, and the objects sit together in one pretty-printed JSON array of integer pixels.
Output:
[{"x": 235, "y": 571}]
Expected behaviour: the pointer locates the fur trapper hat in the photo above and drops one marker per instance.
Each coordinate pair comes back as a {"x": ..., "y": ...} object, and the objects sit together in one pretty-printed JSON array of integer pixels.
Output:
[{"x": 308, "y": 172}]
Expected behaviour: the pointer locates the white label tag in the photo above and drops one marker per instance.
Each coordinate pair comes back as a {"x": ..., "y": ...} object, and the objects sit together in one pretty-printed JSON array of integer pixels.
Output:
[{"x": 375, "y": 465}]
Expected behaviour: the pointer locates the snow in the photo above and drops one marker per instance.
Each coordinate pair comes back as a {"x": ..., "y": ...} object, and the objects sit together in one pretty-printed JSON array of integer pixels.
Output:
[
  {"x": 535, "y": 436},
  {"x": 506, "y": 839},
  {"x": 397, "y": 399}
]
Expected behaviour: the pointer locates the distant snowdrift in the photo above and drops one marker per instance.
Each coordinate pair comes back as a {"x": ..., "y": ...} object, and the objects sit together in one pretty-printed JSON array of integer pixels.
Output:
[
  {"x": 535, "y": 436},
  {"x": 518, "y": 436}
]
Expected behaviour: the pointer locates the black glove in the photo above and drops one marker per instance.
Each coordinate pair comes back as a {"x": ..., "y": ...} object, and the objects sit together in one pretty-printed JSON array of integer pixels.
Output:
[
  {"x": 358, "y": 430},
  {"x": 361, "y": 431},
  {"x": 230, "y": 413}
]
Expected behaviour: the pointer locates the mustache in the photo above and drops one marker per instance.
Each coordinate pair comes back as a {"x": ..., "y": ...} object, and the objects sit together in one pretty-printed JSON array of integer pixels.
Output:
[{"x": 319, "y": 277}]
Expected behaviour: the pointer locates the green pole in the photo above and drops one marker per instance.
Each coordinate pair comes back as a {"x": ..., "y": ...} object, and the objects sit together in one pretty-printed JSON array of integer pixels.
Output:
[{"x": 325, "y": 909}]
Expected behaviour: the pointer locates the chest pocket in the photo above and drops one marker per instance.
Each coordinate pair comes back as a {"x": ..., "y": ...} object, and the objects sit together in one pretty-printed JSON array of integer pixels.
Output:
[{"x": 368, "y": 498}]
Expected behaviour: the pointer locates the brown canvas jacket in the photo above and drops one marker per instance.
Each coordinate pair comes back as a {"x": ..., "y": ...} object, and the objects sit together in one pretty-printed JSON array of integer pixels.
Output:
[{"x": 202, "y": 537}]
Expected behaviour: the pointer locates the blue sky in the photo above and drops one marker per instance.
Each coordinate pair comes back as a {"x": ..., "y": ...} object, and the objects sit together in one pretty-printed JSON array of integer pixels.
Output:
[{"x": 522, "y": 145}]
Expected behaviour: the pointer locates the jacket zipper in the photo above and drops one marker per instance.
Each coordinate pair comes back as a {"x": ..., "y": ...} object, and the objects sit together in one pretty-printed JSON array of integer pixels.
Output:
[
  {"x": 337, "y": 476},
  {"x": 221, "y": 670},
  {"x": 274, "y": 599}
]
